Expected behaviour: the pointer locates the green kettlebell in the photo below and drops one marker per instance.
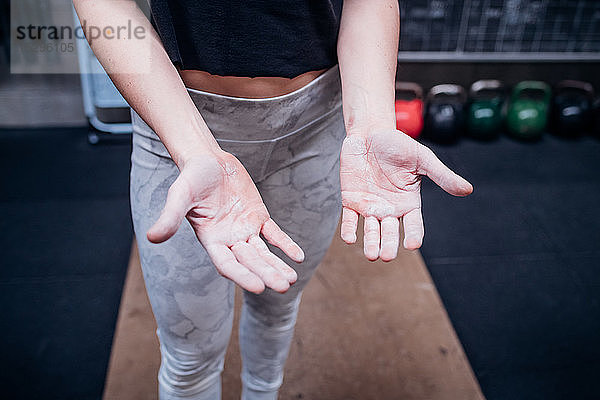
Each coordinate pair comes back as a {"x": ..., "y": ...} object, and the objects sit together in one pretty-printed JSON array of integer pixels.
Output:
[
  {"x": 527, "y": 113},
  {"x": 484, "y": 119}
]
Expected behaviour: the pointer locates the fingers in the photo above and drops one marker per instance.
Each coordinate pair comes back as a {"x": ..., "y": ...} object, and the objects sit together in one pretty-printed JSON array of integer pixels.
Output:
[
  {"x": 274, "y": 235},
  {"x": 252, "y": 266},
  {"x": 442, "y": 175},
  {"x": 413, "y": 229},
  {"x": 176, "y": 207},
  {"x": 229, "y": 267},
  {"x": 274, "y": 261},
  {"x": 349, "y": 225},
  {"x": 371, "y": 238},
  {"x": 247, "y": 255},
  {"x": 390, "y": 238},
  {"x": 381, "y": 239}
]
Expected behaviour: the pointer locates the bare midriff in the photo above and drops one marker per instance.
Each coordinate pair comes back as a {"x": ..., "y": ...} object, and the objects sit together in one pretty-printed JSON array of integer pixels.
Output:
[{"x": 253, "y": 88}]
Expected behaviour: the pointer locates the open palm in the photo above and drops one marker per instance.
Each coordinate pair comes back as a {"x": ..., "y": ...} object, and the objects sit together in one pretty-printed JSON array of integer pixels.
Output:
[
  {"x": 223, "y": 206},
  {"x": 381, "y": 180}
]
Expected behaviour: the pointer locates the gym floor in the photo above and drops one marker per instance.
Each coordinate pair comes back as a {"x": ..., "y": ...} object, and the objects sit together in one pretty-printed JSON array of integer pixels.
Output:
[
  {"x": 366, "y": 331},
  {"x": 515, "y": 266}
]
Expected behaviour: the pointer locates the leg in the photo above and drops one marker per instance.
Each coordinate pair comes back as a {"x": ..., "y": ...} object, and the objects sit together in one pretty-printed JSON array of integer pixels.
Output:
[
  {"x": 192, "y": 303},
  {"x": 303, "y": 197}
]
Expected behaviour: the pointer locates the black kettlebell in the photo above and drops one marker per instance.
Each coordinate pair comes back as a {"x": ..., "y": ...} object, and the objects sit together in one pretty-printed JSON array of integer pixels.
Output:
[
  {"x": 572, "y": 108},
  {"x": 445, "y": 113}
]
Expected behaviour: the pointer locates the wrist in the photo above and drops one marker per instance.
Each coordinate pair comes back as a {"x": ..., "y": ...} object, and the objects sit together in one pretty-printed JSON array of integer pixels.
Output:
[
  {"x": 192, "y": 154},
  {"x": 362, "y": 121},
  {"x": 192, "y": 141},
  {"x": 367, "y": 127}
]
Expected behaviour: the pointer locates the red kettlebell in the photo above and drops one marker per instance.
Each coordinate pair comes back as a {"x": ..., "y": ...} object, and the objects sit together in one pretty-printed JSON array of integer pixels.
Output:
[{"x": 409, "y": 108}]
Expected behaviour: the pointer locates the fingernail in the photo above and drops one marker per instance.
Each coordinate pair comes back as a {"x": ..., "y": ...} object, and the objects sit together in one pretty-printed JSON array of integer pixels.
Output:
[
  {"x": 292, "y": 277},
  {"x": 411, "y": 244},
  {"x": 284, "y": 287},
  {"x": 300, "y": 254},
  {"x": 349, "y": 238}
]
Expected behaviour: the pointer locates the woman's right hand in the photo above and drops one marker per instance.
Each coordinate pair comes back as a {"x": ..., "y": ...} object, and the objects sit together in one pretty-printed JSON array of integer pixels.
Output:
[{"x": 223, "y": 206}]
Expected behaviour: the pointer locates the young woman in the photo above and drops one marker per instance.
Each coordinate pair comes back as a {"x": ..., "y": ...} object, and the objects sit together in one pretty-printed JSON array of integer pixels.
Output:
[{"x": 238, "y": 129}]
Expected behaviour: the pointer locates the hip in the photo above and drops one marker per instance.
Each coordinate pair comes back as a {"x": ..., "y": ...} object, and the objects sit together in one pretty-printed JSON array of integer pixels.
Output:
[{"x": 265, "y": 134}]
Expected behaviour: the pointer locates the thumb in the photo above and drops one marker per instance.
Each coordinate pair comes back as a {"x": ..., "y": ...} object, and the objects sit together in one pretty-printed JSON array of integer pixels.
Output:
[
  {"x": 176, "y": 207},
  {"x": 443, "y": 176}
]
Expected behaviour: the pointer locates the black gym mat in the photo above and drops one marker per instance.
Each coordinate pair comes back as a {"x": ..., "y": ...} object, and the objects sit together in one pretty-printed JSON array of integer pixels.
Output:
[
  {"x": 65, "y": 243},
  {"x": 517, "y": 264}
]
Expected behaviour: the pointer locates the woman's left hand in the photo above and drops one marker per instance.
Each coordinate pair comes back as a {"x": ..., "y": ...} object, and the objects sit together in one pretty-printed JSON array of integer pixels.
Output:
[{"x": 381, "y": 180}]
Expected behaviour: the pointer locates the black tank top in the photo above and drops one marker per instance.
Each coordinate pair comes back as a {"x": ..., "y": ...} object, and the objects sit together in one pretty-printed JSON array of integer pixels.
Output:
[{"x": 249, "y": 37}]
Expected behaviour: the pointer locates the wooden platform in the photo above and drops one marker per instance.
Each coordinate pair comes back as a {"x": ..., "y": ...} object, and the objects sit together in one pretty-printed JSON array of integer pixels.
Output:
[{"x": 365, "y": 331}]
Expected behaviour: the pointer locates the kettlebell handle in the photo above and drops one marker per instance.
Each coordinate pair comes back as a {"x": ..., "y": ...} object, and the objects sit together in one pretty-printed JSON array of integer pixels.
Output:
[
  {"x": 485, "y": 84},
  {"x": 572, "y": 84},
  {"x": 410, "y": 87},
  {"x": 448, "y": 89},
  {"x": 535, "y": 85}
]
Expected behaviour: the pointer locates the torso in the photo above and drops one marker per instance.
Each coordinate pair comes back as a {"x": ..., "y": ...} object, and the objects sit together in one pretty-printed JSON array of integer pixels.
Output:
[{"x": 255, "y": 88}]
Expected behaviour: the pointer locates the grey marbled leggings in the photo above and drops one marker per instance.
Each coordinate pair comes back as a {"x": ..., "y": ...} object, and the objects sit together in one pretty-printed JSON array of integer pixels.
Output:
[{"x": 290, "y": 146}]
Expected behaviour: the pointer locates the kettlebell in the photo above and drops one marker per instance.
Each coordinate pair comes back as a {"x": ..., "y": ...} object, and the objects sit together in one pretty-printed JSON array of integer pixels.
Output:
[
  {"x": 484, "y": 118},
  {"x": 572, "y": 108},
  {"x": 527, "y": 114},
  {"x": 409, "y": 108},
  {"x": 445, "y": 113}
]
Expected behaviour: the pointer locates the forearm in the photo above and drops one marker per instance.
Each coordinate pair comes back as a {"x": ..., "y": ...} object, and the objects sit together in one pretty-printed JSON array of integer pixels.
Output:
[
  {"x": 143, "y": 73},
  {"x": 367, "y": 53}
]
